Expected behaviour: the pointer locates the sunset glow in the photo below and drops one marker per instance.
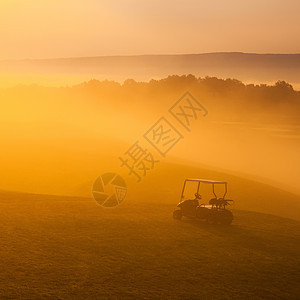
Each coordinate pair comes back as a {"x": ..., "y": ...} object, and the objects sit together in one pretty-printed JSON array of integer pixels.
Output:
[{"x": 65, "y": 28}]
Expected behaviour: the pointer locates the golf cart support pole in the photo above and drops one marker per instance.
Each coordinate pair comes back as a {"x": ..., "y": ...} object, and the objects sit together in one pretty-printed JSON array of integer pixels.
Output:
[
  {"x": 225, "y": 190},
  {"x": 182, "y": 191},
  {"x": 198, "y": 188},
  {"x": 213, "y": 188}
]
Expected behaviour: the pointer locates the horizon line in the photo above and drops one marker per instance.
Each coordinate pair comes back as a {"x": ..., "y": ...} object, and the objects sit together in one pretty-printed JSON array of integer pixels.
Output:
[{"x": 143, "y": 55}]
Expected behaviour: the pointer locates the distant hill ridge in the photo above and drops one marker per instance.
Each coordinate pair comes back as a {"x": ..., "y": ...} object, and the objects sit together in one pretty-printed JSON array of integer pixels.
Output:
[{"x": 244, "y": 66}]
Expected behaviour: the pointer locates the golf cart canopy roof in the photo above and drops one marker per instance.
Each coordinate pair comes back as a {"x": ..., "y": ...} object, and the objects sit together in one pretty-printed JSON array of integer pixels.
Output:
[
  {"x": 212, "y": 182},
  {"x": 206, "y": 181}
]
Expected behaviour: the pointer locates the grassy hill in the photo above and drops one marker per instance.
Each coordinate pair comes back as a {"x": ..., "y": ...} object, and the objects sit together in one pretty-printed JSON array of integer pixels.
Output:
[
  {"x": 68, "y": 247},
  {"x": 164, "y": 184}
]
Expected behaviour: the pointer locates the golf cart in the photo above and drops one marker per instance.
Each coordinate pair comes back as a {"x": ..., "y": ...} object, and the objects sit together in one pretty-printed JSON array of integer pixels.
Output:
[{"x": 214, "y": 213}]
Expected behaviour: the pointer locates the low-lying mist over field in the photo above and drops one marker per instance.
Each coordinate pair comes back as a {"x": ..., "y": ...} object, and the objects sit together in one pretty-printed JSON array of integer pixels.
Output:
[
  {"x": 247, "y": 67},
  {"x": 57, "y": 140}
]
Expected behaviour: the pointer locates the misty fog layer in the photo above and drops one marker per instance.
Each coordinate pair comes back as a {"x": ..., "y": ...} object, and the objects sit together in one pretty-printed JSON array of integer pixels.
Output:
[{"x": 55, "y": 140}]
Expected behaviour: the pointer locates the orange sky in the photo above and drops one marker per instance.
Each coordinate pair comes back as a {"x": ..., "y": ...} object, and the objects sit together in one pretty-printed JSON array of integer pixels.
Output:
[{"x": 65, "y": 28}]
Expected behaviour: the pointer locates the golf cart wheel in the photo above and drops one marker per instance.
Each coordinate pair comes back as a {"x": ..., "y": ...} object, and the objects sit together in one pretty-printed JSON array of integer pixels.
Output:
[
  {"x": 177, "y": 214},
  {"x": 226, "y": 217},
  {"x": 211, "y": 219}
]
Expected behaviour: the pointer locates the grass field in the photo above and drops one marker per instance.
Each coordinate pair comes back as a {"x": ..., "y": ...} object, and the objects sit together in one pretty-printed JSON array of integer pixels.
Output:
[{"x": 68, "y": 247}]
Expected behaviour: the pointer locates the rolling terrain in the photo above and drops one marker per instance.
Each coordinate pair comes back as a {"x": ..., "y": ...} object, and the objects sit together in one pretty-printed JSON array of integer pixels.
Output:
[
  {"x": 56, "y": 242},
  {"x": 164, "y": 185},
  {"x": 68, "y": 247}
]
